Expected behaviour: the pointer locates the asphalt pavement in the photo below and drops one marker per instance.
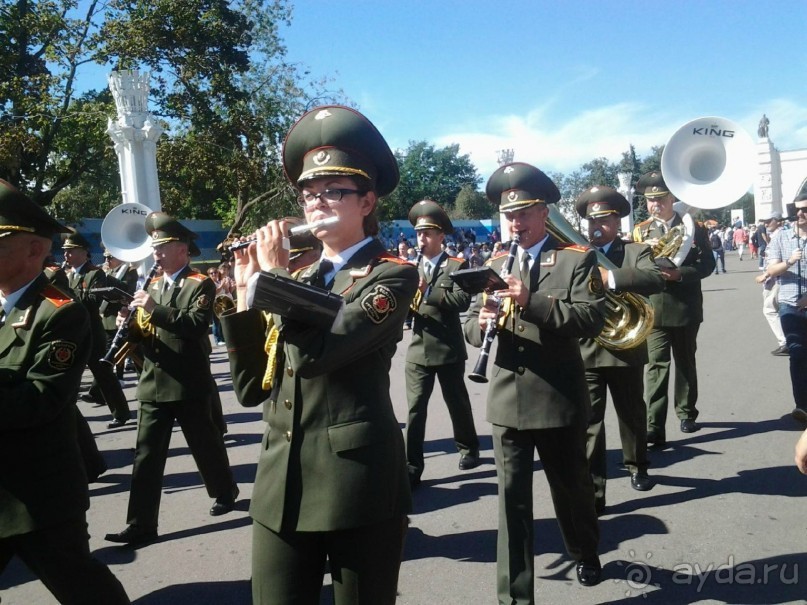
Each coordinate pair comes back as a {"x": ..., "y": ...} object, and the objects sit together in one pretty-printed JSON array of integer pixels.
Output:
[{"x": 725, "y": 524}]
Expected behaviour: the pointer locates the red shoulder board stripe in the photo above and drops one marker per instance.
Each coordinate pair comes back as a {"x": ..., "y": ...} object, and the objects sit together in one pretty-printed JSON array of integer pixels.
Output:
[
  {"x": 196, "y": 276},
  {"x": 575, "y": 247},
  {"x": 386, "y": 256},
  {"x": 499, "y": 255},
  {"x": 457, "y": 258},
  {"x": 55, "y": 296}
]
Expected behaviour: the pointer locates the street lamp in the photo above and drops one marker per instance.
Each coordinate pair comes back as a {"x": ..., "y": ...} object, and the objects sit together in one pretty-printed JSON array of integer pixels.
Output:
[{"x": 626, "y": 189}]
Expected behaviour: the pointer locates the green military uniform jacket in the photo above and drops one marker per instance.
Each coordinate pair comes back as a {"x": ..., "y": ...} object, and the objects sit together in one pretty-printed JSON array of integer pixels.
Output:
[
  {"x": 537, "y": 381},
  {"x": 680, "y": 303},
  {"x": 81, "y": 282},
  {"x": 636, "y": 273},
  {"x": 176, "y": 361},
  {"x": 333, "y": 456},
  {"x": 437, "y": 337},
  {"x": 44, "y": 346},
  {"x": 109, "y": 310}
]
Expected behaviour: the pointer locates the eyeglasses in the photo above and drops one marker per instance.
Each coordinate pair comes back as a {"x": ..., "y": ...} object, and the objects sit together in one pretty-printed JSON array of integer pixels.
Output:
[{"x": 330, "y": 196}]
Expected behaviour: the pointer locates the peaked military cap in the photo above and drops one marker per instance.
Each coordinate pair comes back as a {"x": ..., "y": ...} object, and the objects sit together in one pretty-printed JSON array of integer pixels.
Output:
[
  {"x": 519, "y": 185},
  {"x": 652, "y": 185},
  {"x": 20, "y": 214},
  {"x": 601, "y": 200},
  {"x": 164, "y": 228},
  {"x": 338, "y": 141},
  {"x": 76, "y": 240},
  {"x": 427, "y": 214}
]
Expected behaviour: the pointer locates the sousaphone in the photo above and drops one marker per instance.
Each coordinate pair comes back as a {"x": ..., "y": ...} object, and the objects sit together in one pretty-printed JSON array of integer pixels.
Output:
[{"x": 123, "y": 232}]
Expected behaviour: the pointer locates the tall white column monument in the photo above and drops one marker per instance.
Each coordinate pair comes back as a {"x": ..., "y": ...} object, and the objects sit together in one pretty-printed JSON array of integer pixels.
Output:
[{"x": 135, "y": 133}]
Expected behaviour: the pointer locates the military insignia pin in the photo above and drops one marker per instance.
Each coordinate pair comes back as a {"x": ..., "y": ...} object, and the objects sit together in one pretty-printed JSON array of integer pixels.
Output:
[
  {"x": 322, "y": 157},
  {"x": 322, "y": 114},
  {"x": 512, "y": 196}
]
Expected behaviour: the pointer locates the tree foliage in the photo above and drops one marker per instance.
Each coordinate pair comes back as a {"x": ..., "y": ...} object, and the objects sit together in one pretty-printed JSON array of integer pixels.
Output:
[
  {"x": 429, "y": 173},
  {"x": 221, "y": 87},
  {"x": 472, "y": 204}
]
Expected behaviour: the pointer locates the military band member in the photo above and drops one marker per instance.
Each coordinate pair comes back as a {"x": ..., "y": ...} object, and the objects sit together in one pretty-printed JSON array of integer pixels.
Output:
[
  {"x": 678, "y": 314},
  {"x": 127, "y": 275},
  {"x": 538, "y": 399},
  {"x": 82, "y": 278},
  {"x": 437, "y": 349},
  {"x": 44, "y": 345},
  {"x": 618, "y": 371},
  {"x": 331, "y": 481},
  {"x": 176, "y": 382}
]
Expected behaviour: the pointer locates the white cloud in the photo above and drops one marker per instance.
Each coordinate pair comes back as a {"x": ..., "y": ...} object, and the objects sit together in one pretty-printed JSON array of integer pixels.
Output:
[{"x": 601, "y": 132}]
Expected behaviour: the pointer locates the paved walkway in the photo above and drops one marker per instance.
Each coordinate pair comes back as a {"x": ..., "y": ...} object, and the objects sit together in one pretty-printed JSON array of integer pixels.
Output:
[{"x": 726, "y": 524}]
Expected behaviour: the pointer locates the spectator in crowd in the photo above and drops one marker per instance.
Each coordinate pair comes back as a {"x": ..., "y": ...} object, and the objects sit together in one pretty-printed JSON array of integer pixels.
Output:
[
  {"x": 762, "y": 243},
  {"x": 740, "y": 241},
  {"x": 785, "y": 262},
  {"x": 717, "y": 249},
  {"x": 770, "y": 290},
  {"x": 753, "y": 242}
]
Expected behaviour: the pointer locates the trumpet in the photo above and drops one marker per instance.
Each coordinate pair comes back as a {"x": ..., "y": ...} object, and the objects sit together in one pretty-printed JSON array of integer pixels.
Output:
[
  {"x": 492, "y": 328},
  {"x": 122, "y": 335},
  {"x": 299, "y": 229}
]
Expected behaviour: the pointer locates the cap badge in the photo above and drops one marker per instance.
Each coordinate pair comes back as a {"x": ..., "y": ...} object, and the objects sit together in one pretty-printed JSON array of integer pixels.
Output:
[
  {"x": 322, "y": 114},
  {"x": 508, "y": 170},
  {"x": 596, "y": 207},
  {"x": 654, "y": 189},
  {"x": 322, "y": 157},
  {"x": 512, "y": 196},
  {"x": 594, "y": 189}
]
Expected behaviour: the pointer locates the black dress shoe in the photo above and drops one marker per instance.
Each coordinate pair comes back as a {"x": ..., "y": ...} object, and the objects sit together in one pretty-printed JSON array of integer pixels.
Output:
[
  {"x": 653, "y": 438},
  {"x": 133, "y": 535},
  {"x": 641, "y": 481},
  {"x": 689, "y": 426},
  {"x": 589, "y": 572},
  {"x": 88, "y": 398},
  {"x": 468, "y": 461},
  {"x": 799, "y": 414},
  {"x": 225, "y": 504},
  {"x": 782, "y": 351},
  {"x": 116, "y": 423}
]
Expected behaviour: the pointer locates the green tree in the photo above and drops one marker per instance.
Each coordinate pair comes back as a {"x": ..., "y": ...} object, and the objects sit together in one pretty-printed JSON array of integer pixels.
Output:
[
  {"x": 472, "y": 204},
  {"x": 429, "y": 173}
]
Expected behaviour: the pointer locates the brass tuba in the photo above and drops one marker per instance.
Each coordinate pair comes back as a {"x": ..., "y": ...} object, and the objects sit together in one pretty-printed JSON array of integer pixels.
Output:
[{"x": 629, "y": 316}]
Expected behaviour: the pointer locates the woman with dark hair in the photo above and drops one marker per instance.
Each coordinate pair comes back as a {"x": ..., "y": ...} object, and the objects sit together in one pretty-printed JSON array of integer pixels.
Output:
[{"x": 332, "y": 480}]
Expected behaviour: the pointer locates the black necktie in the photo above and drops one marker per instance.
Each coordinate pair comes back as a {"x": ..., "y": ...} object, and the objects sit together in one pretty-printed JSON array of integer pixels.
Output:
[
  {"x": 325, "y": 267},
  {"x": 525, "y": 269},
  {"x": 427, "y": 270}
]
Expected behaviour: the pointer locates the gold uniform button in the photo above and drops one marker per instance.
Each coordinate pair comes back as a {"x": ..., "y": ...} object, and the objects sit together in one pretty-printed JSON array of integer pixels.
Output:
[
  {"x": 520, "y": 349},
  {"x": 521, "y": 328},
  {"x": 288, "y": 404},
  {"x": 289, "y": 371},
  {"x": 520, "y": 369},
  {"x": 288, "y": 436}
]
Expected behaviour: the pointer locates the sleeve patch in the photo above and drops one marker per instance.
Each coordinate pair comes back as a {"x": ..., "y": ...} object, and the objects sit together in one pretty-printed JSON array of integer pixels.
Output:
[
  {"x": 203, "y": 302},
  {"x": 379, "y": 303},
  {"x": 61, "y": 355}
]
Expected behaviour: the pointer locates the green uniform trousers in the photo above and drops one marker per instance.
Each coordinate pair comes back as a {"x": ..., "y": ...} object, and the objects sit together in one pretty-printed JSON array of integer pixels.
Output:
[
  {"x": 60, "y": 556},
  {"x": 563, "y": 455},
  {"x": 288, "y": 567},
  {"x": 683, "y": 343},
  {"x": 419, "y": 387},
  {"x": 625, "y": 384},
  {"x": 154, "y": 426}
]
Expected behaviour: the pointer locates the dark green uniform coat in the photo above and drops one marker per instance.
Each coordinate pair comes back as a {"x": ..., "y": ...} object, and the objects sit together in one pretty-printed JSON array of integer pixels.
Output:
[
  {"x": 332, "y": 456},
  {"x": 438, "y": 350},
  {"x": 538, "y": 400},
  {"x": 620, "y": 371},
  {"x": 44, "y": 345},
  {"x": 679, "y": 313}
]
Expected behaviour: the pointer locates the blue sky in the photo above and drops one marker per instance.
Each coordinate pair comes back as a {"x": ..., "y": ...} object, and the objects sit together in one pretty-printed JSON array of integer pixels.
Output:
[{"x": 559, "y": 82}]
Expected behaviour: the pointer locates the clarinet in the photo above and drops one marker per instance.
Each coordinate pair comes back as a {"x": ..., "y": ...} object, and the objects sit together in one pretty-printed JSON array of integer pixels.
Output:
[
  {"x": 492, "y": 329},
  {"x": 122, "y": 335}
]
